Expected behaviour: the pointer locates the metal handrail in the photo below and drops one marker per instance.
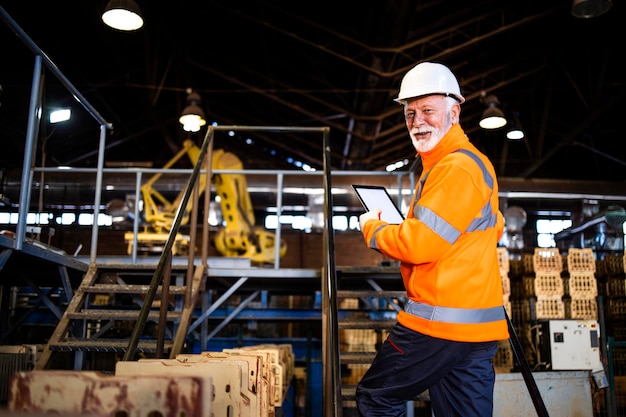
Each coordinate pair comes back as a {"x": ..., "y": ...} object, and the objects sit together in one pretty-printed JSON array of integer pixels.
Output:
[
  {"x": 53, "y": 68},
  {"x": 331, "y": 392},
  {"x": 34, "y": 116},
  {"x": 167, "y": 250},
  {"x": 281, "y": 175},
  {"x": 329, "y": 285}
]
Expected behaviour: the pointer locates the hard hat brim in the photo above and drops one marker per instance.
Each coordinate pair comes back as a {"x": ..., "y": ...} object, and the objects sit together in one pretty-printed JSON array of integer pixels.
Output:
[{"x": 403, "y": 100}]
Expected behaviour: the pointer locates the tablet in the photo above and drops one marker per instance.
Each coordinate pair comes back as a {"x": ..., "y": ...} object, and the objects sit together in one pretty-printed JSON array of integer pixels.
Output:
[{"x": 375, "y": 196}]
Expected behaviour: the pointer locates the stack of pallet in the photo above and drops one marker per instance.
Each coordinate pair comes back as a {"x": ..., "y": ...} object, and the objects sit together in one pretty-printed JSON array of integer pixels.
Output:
[
  {"x": 503, "y": 261},
  {"x": 248, "y": 381},
  {"x": 503, "y": 360},
  {"x": 280, "y": 361},
  {"x": 93, "y": 393},
  {"x": 616, "y": 292},
  {"x": 582, "y": 284},
  {"x": 548, "y": 284},
  {"x": 522, "y": 275}
]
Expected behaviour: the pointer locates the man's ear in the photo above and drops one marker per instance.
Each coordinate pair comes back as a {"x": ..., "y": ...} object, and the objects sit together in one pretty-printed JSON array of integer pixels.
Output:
[{"x": 455, "y": 112}]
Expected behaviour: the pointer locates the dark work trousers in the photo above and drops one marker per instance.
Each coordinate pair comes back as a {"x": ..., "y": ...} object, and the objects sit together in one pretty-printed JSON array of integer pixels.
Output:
[{"x": 459, "y": 376}]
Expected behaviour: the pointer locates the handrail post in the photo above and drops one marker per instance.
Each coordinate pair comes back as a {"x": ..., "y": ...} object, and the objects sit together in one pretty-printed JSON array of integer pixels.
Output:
[
  {"x": 279, "y": 210},
  {"x": 207, "y": 205},
  {"x": 97, "y": 196},
  {"x": 136, "y": 216},
  {"x": 34, "y": 119},
  {"x": 331, "y": 390}
]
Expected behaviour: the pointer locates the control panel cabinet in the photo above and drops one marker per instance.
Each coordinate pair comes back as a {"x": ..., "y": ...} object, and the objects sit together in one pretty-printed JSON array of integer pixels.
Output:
[{"x": 570, "y": 344}]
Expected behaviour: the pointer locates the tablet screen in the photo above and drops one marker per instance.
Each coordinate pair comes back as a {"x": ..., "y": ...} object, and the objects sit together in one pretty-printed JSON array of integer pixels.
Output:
[{"x": 374, "y": 196}]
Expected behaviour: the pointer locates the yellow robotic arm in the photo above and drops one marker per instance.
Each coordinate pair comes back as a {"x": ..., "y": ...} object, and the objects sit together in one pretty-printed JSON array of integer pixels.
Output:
[
  {"x": 239, "y": 237},
  {"x": 158, "y": 211}
]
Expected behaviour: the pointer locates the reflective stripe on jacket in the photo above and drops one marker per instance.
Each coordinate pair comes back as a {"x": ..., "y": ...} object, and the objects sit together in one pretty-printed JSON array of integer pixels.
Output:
[{"x": 447, "y": 246}]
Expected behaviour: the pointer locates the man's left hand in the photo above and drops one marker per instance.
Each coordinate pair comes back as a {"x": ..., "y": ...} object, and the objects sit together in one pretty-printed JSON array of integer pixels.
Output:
[{"x": 374, "y": 214}]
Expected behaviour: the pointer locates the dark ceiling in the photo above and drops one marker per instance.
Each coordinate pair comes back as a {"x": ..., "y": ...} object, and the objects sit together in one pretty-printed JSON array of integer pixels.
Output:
[{"x": 323, "y": 63}]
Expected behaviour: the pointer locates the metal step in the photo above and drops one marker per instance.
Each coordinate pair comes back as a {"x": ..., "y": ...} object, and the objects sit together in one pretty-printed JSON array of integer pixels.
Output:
[
  {"x": 356, "y": 357},
  {"x": 62, "y": 339},
  {"x": 365, "y": 323},
  {"x": 129, "y": 289},
  {"x": 348, "y": 393},
  {"x": 106, "y": 345},
  {"x": 372, "y": 293},
  {"x": 97, "y": 314}
]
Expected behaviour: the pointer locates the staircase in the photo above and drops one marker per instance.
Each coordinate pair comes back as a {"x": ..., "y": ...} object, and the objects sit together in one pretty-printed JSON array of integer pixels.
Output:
[
  {"x": 105, "y": 309},
  {"x": 369, "y": 299}
]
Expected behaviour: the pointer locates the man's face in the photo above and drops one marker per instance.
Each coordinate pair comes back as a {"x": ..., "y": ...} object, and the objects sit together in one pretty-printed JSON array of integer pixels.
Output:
[{"x": 428, "y": 120}]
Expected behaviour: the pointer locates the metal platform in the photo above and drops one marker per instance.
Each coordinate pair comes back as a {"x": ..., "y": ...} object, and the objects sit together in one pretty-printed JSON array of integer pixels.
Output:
[{"x": 39, "y": 251}]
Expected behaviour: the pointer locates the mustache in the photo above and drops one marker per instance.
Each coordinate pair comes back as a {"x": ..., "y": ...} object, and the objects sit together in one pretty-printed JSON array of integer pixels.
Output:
[{"x": 418, "y": 130}]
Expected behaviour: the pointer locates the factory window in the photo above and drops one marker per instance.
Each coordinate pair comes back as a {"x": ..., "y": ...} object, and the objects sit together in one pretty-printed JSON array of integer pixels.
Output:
[
  {"x": 296, "y": 222},
  {"x": 301, "y": 223},
  {"x": 340, "y": 222},
  {"x": 354, "y": 223},
  {"x": 86, "y": 219},
  {"x": 67, "y": 218},
  {"x": 31, "y": 218},
  {"x": 547, "y": 228}
]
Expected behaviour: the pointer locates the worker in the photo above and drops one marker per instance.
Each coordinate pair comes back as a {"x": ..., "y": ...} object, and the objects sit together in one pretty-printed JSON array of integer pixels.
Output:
[{"x": 447, "y": 334}]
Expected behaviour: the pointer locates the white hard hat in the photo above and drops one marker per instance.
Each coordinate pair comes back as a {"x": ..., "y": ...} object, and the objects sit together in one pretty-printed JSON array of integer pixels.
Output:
[{"x": 428, "y": 78}]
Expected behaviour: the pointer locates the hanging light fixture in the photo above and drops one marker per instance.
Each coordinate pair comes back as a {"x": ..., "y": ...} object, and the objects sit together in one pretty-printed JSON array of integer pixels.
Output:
[
  {"x": 122, "y": 15},
  {"x": 192, "y": 117},
  {"x": 493, "y": 117},
  {"x": 585, "y": 9},
  {"x": 515, "y": 133}
]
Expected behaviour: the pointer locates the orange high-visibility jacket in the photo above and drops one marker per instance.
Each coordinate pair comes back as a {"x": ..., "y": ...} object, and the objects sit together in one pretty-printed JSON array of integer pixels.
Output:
[{"x": 447, "y": 246}]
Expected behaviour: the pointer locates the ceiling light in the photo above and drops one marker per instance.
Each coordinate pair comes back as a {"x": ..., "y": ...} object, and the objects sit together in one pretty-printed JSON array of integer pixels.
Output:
[
  {"x": 590, "y": 8},
  {"x": 515, "y": 133},
  {"x": 123, "y": 15},
  {"x": 493, "y": 117},
  {"x": 192, "y": 117},
  {"x": 60, "y": 115}
]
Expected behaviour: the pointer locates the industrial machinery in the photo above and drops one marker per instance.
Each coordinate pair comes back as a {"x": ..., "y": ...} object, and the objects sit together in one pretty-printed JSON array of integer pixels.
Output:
[
  {"x": 570, "y": 344},
  {"x": 239, "y": 236}
]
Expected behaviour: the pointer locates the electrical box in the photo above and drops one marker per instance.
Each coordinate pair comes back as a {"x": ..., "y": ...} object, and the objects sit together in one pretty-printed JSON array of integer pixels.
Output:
[{"x": 570, "y": 344}]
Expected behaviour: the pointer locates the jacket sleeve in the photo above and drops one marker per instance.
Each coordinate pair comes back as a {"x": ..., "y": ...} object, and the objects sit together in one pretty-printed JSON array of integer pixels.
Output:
[{"x": 451, "y": 198}]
